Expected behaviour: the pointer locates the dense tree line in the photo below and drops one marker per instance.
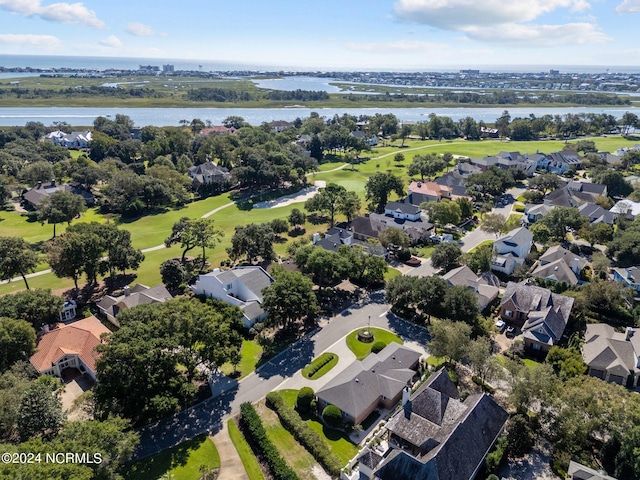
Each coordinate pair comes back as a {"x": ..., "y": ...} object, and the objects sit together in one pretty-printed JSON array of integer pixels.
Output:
[
  {"x": 495, "y": 98},
  {"x": 32, "y": 421}
]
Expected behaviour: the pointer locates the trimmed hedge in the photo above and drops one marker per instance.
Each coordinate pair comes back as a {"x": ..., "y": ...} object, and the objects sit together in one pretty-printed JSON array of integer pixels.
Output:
[
  {"x": 305, "y": 397},
  {"x": 314, "y": 368},
  {"x": 332, "y": 415},
  {"x": 309, "y": 438},
  {"x": 251, "y": 424},
  {"x": 378, "y": 346}
]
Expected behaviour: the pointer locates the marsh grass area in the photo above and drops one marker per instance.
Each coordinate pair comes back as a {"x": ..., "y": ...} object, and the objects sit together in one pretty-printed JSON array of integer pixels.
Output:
[{"x": 171, "y": 92}]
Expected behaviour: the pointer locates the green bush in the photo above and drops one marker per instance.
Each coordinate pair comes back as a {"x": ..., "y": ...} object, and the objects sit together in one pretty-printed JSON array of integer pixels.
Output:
[
  {"x": 378, "y": 346},
  {"x": 255, "y": 433},
  {"x": 404, "y": 255},
  {"x": 332, "y": 415},
  {"x": 315, "y": 367},
  {"x": 494, "y": 459},
  {"x": 493, "y": 477},
  {"x": 304, "y": 399},
  {"x": 308, "y": 437}
]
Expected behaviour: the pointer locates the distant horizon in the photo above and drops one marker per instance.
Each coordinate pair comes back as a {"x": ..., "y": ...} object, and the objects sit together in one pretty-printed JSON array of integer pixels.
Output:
[
  {"x": 103, "y": 62},
  {"x": 385, "y": 35}
]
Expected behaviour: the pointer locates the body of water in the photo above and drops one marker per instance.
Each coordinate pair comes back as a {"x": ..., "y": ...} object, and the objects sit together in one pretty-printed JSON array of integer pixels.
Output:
[
  {"x": 84, "y": 116},
  {"x": 128, "y": 63}
]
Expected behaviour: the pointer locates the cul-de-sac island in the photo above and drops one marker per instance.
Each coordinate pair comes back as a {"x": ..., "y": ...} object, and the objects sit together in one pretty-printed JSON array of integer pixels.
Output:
[{"x": 345, "y": 296}]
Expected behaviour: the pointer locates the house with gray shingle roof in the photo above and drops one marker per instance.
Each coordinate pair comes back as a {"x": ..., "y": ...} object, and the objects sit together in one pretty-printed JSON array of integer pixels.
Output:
[
  {"x": 34, "y": 196},
  {"x": 375, "y": 382},
  {"x": 540, "y": 314},
  {"x": 70, "y": 140},
  {"x": 436, "y": 436},
  {"x": 629, "y": 276},
  {"x": 208, "y": 173},
  {"x": 138, "y": 295},
  {"x": 596, "y": 214},
  {"x": 240, "y": 286},
  {"x": 559, "y": 264},
  {"x": 485, "y": 287},
  {"x": 574, "y": 194},
  {"x": 612, "y": 356}
]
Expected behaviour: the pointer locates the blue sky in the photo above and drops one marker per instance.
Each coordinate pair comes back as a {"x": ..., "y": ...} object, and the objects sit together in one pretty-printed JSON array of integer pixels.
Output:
[{"x": 346, "y": 34}]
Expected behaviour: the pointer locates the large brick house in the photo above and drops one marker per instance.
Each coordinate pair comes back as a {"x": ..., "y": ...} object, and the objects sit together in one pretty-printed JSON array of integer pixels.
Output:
[{"x": 540, "y": 314}]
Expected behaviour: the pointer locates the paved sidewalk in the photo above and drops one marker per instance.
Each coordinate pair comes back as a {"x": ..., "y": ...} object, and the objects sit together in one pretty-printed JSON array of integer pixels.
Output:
[{"x": 231, "y": 467}]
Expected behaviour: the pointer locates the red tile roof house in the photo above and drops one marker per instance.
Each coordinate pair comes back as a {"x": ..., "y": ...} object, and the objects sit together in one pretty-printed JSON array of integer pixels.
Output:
[{"x": 69, "y": 346}]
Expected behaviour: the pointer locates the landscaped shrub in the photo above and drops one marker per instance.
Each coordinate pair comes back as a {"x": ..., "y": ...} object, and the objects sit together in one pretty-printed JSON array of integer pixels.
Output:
[
  {"x": 255, "y": 433},
  {"x": 332, "y": 415},
  {"x": 519, "y": 436},
  {"x": 303, "y": 433},
  {"x": 378, "y": 346},
  {"x": 404, "y": 255},
  {"x": 494, "y": 459},
  {"x": 304, "y": 399},
  {"x": 317, "y": 366}
]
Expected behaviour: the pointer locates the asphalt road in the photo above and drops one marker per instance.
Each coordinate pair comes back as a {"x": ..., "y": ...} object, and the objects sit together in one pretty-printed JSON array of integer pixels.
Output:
[{"x": 208, "y": 416}]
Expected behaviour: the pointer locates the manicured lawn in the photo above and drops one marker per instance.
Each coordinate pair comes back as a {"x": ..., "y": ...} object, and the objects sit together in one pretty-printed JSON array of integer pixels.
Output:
[
  {"x": 183, "y": 461},
  {"x": 361, "y": 349},
  {"x": 244, "y": 450},
  {"x": 391, "y": 273},
  {"x": 435, "y": 362},
  {"x": 529, "y": 363},
  {"x": 327, "y": 360},
  {"x": 250, "y": 353},
  {"x": 338, "y": 441},
  {"x": 423, "y": 252},
  {"x": 294, "y": 454},
  {"x": 484, "y": 242}
]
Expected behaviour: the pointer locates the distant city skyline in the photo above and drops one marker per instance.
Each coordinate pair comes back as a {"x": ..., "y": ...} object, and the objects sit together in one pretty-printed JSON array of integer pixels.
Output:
[{"x": 385, "y": 34}]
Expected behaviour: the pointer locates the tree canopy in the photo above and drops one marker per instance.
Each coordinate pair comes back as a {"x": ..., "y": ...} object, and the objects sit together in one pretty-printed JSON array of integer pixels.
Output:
[{"x": 147, "y": 368}]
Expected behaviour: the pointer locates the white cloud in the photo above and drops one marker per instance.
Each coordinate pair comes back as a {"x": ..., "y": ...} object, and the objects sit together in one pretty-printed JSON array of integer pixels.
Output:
[
  {"x": 140, "y": 29},
  {"x": 628, "y": 6},
  {"x": 400, "y": 46},
  {"x": 62, "y": 12},
  {"x": 539, "y": 35},
  {"x": 111, "y": 41},
  {"x": 454, "y": 14},
  {"x": 48, "y": 41}
]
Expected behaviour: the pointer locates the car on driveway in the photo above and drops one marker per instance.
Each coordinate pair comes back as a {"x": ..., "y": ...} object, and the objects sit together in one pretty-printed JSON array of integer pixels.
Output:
[
  {"x": 501, "y": 325},
  {"x": 510, "y": 332}
]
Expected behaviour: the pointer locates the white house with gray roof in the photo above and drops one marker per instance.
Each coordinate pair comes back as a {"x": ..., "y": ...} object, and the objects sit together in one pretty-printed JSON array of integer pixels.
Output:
[
  {"x": 511, "y": 250},
  {"x": 240, "y": 286},
  {"x": 70, "y": 140}
]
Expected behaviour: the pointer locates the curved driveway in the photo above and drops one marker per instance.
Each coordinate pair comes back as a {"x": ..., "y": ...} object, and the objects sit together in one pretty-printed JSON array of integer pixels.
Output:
[{"x": 208, "y": 416}]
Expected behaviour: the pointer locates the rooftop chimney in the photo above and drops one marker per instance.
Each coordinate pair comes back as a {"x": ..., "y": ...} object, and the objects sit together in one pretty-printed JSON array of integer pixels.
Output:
[
  {"x": 576, "y": 265},
  {"x": 39, "y": 184},
  {"x": 127, "y": 291},
  {"x": 406, "y": 394},
  {"x": 53, "y": 182},
  {"x": 628, "y": 333}
]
